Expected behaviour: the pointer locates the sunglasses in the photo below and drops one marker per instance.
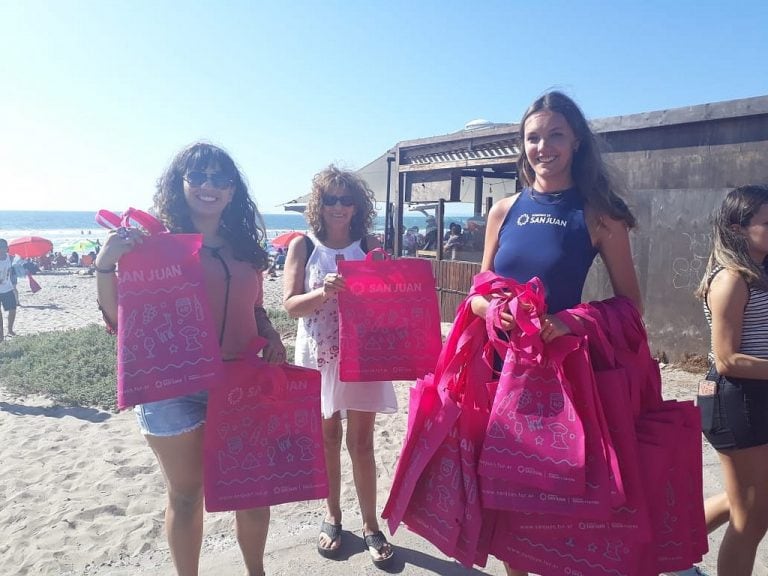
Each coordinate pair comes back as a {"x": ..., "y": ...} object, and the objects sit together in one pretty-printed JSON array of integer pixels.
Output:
[
  {"x": 197, "y": 178},
  {"x": 346, "y": 200}
]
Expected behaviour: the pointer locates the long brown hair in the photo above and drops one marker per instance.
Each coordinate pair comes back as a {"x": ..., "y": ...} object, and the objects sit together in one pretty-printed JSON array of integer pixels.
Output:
[
  {"x": 730, "y": 248},
  {"x": 590, "y": 174}
]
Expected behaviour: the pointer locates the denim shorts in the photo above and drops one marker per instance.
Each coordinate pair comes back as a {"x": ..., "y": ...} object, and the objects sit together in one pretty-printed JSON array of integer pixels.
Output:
[
  {"x": 174, "y": 416},
  {"x": 735, "y": 416}
]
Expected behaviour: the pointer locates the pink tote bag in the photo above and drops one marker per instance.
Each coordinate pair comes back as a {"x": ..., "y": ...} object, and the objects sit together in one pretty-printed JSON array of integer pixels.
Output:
[
  {"x": 445, "y": 506},
  {"x": 432, "y": 416},
  {"x": 263, "y": 437},
  {"x": 436, "y": 507},
  {"x": 389, "y": 319},
  {"x": 535, "y": 433},
  {"x": 470, "y": 547},
  {"x": 587, "y": 553},
  {"x": 166, "y": 343}
]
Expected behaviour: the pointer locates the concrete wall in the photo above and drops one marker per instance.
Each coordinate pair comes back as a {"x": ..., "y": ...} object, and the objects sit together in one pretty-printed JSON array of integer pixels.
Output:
[{"x": 678, "y": 165}]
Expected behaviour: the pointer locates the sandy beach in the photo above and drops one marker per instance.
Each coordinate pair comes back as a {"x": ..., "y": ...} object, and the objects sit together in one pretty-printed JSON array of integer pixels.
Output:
[{"x": 82, "y": 493}]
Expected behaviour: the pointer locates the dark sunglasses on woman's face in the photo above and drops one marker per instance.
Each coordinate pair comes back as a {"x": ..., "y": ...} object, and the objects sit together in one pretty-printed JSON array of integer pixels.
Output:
[
  {"x": 346, "y": 200},
  {"x": 217, "y": 179}
]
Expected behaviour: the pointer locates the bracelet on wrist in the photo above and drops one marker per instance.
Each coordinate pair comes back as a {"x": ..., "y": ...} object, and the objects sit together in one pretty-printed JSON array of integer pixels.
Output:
[{"x": 111, "y": 270}]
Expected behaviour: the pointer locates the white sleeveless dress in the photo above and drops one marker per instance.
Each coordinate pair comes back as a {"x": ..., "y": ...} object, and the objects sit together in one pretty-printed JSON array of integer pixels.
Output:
[{"x": 317, "y": 343}]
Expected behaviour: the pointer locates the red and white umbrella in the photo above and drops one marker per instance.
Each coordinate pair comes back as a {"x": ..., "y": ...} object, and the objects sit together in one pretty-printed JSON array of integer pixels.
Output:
[
  {"x": 30, "y": 246},
  {"x": 282, "y": 240}
]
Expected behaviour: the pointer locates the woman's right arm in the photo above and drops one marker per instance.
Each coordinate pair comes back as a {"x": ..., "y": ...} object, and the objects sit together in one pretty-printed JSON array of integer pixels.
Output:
[
  {"x": 727, "y": 298},
  {"x": 496, "y": 217},
  {"x": 106, "y": 263},
  {"x": 296, "y": 301}
]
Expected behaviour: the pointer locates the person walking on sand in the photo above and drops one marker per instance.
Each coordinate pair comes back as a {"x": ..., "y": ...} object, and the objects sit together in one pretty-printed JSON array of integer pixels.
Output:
[
  {"x": 565, "y": 179},
  {"x": 7, "y": 294},
  {"x": 202, "y": 191},
  {"x": 340, "y": 214},
  {"x": 734, "y": 398}
]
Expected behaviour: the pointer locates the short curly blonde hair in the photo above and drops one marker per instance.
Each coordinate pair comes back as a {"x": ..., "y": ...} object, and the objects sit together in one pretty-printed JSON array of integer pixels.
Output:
[{"x": 334, "y": 179}]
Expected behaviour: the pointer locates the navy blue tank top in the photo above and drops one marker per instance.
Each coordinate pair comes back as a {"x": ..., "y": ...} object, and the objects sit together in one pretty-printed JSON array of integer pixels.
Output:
[{"x": 546, "y": 235}]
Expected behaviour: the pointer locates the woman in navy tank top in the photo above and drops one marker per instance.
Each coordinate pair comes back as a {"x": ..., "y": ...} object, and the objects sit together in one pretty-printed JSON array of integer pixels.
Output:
[{"x": 567, "y": 213}]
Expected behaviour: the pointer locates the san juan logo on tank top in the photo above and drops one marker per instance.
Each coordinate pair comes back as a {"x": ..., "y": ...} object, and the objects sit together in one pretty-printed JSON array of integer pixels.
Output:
[{"x": 524, "y": 219}]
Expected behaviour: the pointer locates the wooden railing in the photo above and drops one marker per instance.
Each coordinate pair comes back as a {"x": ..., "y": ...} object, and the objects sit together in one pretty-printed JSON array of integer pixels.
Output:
[{"x": 454, "y": 279}]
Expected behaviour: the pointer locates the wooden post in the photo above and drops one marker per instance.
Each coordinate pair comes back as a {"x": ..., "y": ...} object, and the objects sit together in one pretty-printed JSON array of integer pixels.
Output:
[
  {"x": 440, "y": 217},
  {"x": 389, "y": 229},
  {"x": 478, "y": 192},
  {"x": 398, "y": 244}
]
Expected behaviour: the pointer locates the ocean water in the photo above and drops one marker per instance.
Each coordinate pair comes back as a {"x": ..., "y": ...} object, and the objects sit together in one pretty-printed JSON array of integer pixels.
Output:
[{"x": 64, "y": 228}]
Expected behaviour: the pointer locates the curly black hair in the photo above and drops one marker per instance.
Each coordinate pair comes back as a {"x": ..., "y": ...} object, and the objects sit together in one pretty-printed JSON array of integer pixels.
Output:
[{"x": 241, "y": 223}]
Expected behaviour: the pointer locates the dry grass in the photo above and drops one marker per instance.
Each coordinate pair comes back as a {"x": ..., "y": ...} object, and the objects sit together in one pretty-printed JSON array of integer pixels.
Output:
[{"x": 694, "y": 363}]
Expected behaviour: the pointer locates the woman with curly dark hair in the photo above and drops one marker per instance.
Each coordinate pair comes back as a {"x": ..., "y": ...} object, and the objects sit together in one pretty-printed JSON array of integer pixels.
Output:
[
  {"x": 202, "y": 191},
  {"x": 340, "y": 213}
]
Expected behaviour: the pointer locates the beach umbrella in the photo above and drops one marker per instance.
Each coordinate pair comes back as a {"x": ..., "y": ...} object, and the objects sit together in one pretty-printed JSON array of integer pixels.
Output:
[
  {"x": 282, "y": 240},
  {"x": 30, "y": 246},
  {"x": 82, "y": 246}
]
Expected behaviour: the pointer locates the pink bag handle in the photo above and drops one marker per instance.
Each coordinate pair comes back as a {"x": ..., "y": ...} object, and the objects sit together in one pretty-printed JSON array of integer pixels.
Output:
[
  {"x": 500, "y": 289},
  {"x": 523, "y": 301},
  {"x": 489, "y": 283},
  {"x": 464, "y": 317},
  {"x": 151, "y": 224},
  {"x": 472, "y": 393},
  {"x": 451, "y": 358},
  {"x": 493, "y": 324},
  {"x": 108, "y": 219},
  {"x": 527, "y": 308},
  {"x": 377, "y": 254},
  {"x": 470, "y": 344}
]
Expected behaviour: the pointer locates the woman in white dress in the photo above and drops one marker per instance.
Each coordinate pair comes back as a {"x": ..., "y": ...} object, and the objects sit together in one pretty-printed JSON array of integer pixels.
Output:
[{"x": 340, "y": 214}]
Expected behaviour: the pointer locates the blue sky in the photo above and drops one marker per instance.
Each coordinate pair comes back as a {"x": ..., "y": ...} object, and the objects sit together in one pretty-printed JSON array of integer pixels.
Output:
[{"x": 96, "y": 96}]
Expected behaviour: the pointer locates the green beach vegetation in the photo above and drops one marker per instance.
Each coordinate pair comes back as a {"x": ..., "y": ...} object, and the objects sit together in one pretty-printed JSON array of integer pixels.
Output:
[{"x": 78, "y": 367}]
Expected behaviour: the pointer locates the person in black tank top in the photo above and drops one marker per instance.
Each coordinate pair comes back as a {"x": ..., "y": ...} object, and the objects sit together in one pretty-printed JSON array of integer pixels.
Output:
[
  {"x": 733, "y": 399},
  {"x": 567, "y": 213}
]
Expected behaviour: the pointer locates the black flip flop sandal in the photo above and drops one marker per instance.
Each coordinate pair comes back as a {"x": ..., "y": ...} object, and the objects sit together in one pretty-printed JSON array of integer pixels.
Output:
[
  {"x": 333, "y": 531},
  {"x": 378, "y": 542}
]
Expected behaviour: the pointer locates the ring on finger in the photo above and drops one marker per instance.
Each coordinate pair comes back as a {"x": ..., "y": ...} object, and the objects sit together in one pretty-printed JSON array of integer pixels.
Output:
[{"x": 122, "y": 232}]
